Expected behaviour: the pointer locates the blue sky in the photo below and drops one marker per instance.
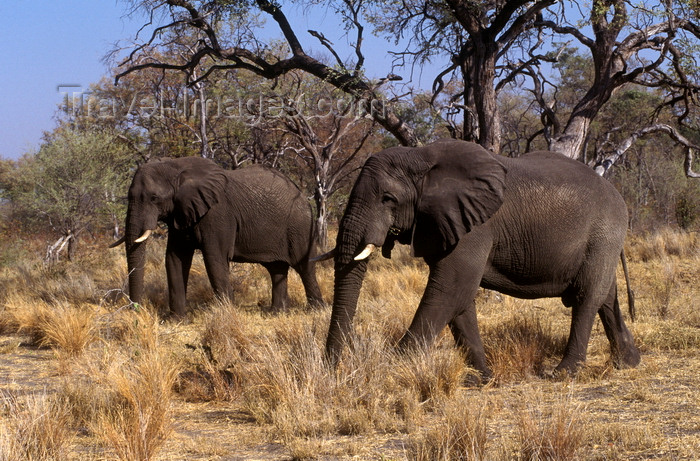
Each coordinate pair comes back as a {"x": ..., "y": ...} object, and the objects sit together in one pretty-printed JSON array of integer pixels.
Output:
[{"x": 48, "y": 44}]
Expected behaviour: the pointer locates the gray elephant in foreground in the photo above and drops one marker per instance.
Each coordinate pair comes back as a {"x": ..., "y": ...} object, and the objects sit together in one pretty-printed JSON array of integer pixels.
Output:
[
  {"x": 252, "y": 215},
  {"x": 541, "y": 225}
]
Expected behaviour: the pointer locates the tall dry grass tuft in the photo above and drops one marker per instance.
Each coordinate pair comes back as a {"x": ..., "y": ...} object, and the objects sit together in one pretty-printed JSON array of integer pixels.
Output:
[
  {"x": 289, "y": 386},
  {"x": 520, "y": 345},
  {"x": 434, "y": 373},
  {"x": 35, "y": 428},
  {"x": 214, "y": 372},
  {"x": 67, "y": 328},
  {"x": 557, "y": 433},
  {"x": 135, "y": 327},
  {"x": 276, "y": 366},
  {"x": 139, "y": 419},
  {"x": 664, "y": 287},
  {"x": 122, "y": 392},
  {"x": 367, "y": 377},
  {"x": 460, "y": 434}
]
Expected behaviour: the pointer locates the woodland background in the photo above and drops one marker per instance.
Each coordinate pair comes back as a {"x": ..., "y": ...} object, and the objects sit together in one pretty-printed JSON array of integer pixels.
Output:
[{"x": 209, "y": 78}]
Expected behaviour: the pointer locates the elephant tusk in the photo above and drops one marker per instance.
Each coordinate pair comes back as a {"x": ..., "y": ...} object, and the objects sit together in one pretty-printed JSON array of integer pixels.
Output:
[
  {"x": 366, "y": 252},
  {"x": 324, "y": 256},
  {"x": 118, "y": 242},
  {"x": 144, "y": 237}
]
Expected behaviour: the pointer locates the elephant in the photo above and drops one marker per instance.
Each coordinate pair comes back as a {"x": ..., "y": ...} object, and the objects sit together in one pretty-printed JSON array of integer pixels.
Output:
[
  {"x": 541, "y": 225},
  {"x": 252, "y": 215}
]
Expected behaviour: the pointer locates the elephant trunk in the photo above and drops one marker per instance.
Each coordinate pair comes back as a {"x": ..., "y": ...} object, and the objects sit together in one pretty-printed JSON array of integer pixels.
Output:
[
  {"x": 135, "y": 256},
  {"x": 349, "y": 275},
  {"x": 348, "y": 281}
]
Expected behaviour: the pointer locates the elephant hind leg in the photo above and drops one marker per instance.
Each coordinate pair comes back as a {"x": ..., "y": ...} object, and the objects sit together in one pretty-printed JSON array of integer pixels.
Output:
[
  {"x": 307, "y": 272},
  {"x": 278, "y": 275},
  {"x": 217, "y": 266},
  {"x": 583, "y": 311},
  {"x": 623, "y": 351}
]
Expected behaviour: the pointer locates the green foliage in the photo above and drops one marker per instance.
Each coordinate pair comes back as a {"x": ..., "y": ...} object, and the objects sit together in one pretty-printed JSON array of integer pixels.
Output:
[
  {"x": 575, "y": 76},
  {"x": 76, "y": 181}
]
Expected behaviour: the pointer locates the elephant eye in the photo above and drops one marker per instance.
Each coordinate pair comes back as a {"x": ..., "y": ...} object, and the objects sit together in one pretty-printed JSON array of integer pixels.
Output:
[
  {"x": 388, "y": 199},
  {"x": 154, "y": 198}
]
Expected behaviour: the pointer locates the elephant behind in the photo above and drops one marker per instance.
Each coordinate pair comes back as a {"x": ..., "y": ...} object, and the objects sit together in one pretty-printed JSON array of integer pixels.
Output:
[{"x": 252, "y": 215}]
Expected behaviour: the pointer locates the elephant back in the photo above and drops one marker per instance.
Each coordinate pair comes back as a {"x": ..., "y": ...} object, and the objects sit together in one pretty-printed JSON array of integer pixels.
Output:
[{"x": 272, "y": 214}]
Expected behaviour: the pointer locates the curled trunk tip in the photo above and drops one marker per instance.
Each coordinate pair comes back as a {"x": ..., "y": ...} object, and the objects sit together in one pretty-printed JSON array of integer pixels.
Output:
[
  {"x": 325, "y": 256},
  {"x": 118, "y": 242}
]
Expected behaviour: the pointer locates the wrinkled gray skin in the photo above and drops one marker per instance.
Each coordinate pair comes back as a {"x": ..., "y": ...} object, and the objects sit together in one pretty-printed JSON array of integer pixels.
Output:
[
  {"x": 252, "y": 215},
  {"x": 537, "y": 226}
]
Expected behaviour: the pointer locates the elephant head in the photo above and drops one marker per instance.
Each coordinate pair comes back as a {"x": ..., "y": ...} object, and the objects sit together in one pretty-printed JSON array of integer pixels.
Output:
[
  {"x": 427, "y": 197},
  {"x": 178, "y": 192}
]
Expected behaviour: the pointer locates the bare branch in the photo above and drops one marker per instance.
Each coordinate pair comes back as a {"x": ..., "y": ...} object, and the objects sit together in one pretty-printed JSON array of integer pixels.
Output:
[
  {"x": 602, "y": 166},
  {"x": 329, "y": 46}
]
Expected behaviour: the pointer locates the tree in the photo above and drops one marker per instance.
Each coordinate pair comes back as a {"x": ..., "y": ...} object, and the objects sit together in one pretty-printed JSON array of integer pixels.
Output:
[
  {"x": 487, "y": 47},
  {"x": 226, "y": 36},
  {"x": 74, "y": 183},
  {"x": 328, "y": 137}
]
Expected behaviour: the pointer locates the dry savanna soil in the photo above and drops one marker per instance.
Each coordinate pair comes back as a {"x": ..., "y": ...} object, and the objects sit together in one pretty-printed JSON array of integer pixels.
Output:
[{"x": 86, "y": 375}]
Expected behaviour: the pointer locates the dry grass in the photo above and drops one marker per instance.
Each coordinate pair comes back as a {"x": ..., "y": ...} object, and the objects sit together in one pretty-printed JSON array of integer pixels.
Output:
[
  {"x": 665, "y": 242},
  {"x": 138, "y": 420},
  {"x": 553, "y": 432},
  {"x": 461, "y": 433},
  {"x": 88, "y": 377},
  {"x": 36, "y": 428}
]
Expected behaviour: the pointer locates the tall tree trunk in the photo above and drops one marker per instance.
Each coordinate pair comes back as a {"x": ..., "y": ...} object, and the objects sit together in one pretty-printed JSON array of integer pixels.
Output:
[
  {"x": 485, "y": 95},
  {"x": 321, "y": 219},
  {"x": 570, "y": 142},
  {"x": 478, "y": 72}
]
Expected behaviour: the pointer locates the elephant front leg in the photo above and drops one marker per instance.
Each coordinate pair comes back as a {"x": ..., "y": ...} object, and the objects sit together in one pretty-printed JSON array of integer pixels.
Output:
[
  {"x": 465, "y": 330},
  {"x": 449, "y": 299},
  {"x": 278, "y": 275},
  {"x": 178, "y": 260}
]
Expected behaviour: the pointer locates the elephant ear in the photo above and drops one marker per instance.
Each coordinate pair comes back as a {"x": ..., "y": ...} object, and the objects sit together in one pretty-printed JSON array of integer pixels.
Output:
[
  {"x": 198, "y": 191},
  {"x": 463, "y": 189}
]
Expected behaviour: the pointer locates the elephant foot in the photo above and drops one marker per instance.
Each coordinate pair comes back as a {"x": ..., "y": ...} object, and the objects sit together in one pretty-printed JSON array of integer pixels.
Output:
[
  {"x": 628, "y": 358},
  {"x": 559, "y": 374},
  {"x": 564, "y": 371},
  {"x": 175, "y": 317},
  {"x": 274, "y": 310},
  {"x": 314, "y": 304},
  {"x": 476, "y": 378}
]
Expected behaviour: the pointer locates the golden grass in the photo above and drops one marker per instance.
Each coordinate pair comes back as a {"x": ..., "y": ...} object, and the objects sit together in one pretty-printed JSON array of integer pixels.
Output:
[
  {"x": 139, "y": 419},
  {"x": 232, "y": 382},
  {"x": 36, "y": 428},
  {"x": 461, "y": 433},
  {"x": 553, "y": 432}
]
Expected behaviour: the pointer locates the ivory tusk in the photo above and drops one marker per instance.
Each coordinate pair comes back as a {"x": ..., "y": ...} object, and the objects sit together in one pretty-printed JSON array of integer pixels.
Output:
[
  {"x": 366, "y": 252},
  {"x": 118, "y": 242},
  {"x": 324, "y": 256},
  {"x": 144, "y": 237}
]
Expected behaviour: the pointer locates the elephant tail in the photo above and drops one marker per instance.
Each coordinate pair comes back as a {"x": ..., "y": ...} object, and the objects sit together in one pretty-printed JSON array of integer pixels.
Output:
[{"x": 630, "y": 292}]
